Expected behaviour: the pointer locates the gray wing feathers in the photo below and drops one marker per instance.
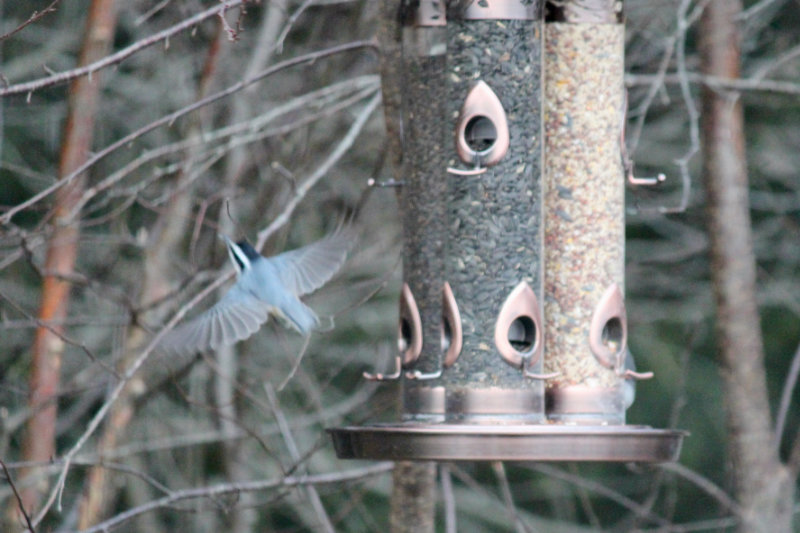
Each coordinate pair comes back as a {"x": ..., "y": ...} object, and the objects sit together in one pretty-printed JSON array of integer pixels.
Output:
[
  {"x": 235, "y": 317},
  {"x": 306, "y": 269}
]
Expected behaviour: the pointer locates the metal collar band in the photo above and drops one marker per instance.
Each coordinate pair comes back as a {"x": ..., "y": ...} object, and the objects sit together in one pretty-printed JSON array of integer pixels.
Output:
[
  {"x": 463, "y": 402},
  {"x": 584, "y": 11},
  {"x": 497, "y": 9},
  {"x": 582, "y": 404}
]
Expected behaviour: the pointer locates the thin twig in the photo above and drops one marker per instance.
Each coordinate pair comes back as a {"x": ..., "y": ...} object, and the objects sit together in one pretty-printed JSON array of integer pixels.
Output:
[
  {"x": 655, "y": 86},
  {"x": 61, "y": 77},
  {"x": 691, "y": 110},
  {"x": 296, "y": 365},
  {"x": 754, "y": 9},
  {"x": 585, "y": 501},
  {"x": 294, "y": 453},
  {"x": 36, "y": 15},
  {"x": 245, "y": 132},
  {"x": 450, "y": 524},
  {"x": 55, "y": 331},
  {"x": 170, "y": 118},
  {"x": 344, "y": 145},
  {"x": 752, "y": 84},
  {"x": 603, "y": 490},
  {"x": 17, "y": 497},
  {"x": 786, "y": 397},
  {"x": 144, "y": 17},
  {"x": 250, "y": 486},
  {"x": 57, "y": 490},
  {"x": 289, "y": 23},
  {"x": 508, "y": 498},
  {"x": 705, "y": 484}
]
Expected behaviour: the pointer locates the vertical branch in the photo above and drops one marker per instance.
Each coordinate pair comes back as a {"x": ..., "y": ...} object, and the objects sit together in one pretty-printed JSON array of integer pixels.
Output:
[
  {"x": 449, "y": 500},
  {"x": 389, "y": 37},
  {"x": 234, "y": 461},
  {"x": 62, "y": 247},
  {"x": 763, "y": 487},
  {"x": 412, "y": 506},
  {"x": 165, "y": 239}
]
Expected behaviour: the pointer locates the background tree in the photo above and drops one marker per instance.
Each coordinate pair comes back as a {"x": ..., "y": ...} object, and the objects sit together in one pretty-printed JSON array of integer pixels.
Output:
[{"x": 263, "y": 119}]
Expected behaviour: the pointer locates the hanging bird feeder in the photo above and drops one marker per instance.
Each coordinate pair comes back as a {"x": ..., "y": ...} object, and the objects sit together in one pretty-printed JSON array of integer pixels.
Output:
[{"x": 512, "y": 336}]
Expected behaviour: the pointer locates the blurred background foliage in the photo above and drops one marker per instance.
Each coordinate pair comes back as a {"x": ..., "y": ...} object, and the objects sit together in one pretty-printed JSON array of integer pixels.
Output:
[{"x": 176, "y": 438}]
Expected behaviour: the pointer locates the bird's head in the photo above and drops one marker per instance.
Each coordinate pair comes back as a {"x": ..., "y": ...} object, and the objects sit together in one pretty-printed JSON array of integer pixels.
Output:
[{"x": 242, "y": 253}]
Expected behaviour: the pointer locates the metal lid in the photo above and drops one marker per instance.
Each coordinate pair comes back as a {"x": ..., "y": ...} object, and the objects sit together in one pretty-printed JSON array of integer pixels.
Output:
[{"x": 513, "y": 442}]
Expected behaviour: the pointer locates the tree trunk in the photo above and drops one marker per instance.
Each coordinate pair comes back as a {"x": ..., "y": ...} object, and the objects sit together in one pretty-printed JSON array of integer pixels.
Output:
[
  {"x": 62, "y": 248},
  {"x": 413, "y": 497},
  {"x": 763, "y": 486}
]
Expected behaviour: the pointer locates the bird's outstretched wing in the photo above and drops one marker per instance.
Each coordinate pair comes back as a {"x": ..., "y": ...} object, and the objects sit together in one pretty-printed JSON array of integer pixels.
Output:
[
  {"x": 306, "y": 269},
  {"x": 235, "y": 317}
]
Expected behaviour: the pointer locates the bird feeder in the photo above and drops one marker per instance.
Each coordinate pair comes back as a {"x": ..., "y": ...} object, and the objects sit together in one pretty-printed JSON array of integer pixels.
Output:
[{"x": 512, "y": 326}]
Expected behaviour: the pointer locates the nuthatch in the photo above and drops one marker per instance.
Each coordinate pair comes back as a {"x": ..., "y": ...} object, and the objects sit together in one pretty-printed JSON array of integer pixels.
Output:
[{"x": 265, "y": 286}]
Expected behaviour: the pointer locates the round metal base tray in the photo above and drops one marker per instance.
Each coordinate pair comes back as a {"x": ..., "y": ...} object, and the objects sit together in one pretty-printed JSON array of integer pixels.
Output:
[{"x": 533, "y": 442}]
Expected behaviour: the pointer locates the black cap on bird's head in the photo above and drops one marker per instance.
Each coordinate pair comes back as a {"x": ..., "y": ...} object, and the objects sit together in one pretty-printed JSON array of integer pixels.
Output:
[
  {"x": 241, "y": 253},
  {"x": 248, "y": 249}
]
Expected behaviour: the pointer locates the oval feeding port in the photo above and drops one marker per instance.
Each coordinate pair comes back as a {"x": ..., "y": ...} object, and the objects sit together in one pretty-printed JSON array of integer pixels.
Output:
[
  {"x": 522, "y": 334},
  {"x": 482, "y": 137},
  {"x": 612, "y": 334},
  {"x": 480, "y": 134},
  {"x": 404, "y": 339},
  {"x": 608, "y": 332},
  {"x": 409, "y": 335},
  {"x": 517, "y": 332}
]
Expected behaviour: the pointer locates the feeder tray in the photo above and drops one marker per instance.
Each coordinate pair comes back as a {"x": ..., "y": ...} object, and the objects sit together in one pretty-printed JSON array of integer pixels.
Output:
[{"x": 482, "y": 442}]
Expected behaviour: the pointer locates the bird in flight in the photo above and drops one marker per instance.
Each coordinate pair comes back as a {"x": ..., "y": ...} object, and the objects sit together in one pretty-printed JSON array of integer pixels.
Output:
[{"x": 265, "y": 286}]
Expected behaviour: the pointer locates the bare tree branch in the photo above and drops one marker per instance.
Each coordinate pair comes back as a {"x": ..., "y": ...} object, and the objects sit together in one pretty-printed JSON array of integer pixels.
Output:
[
  {"x": 36, "y": 15},
  {"x": 170, "y": 118},
  {"x": 704, "y": 483},
  {"x": 764, "y": 487},
  {"x": 116, "y": 391},
  {"x": 344, "y": 145},
  {"x": 508, "y": 497},
  {"x": 294, "y": 453},
  {"x": 786, "y": 399},
  {"x": 754, "y": 84},
  {"x": 17, "y": 497},
  {"x": 87, "y": 70},
  {"x": 234, "y": 488},
  {"x": 450, "y": 524}
]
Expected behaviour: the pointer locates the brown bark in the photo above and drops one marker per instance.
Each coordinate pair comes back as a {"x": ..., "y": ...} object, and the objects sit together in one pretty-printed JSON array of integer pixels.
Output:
[
  {"x": 413, "y": 497},
  {"x": 391, "y": 61},
  {"x": 763, "y": 486},
  {"x": 39, "y": 444}
]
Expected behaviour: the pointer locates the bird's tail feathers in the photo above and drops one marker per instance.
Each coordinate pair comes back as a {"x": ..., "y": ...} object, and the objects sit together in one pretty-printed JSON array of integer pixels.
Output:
[{"x": 300, "y": 317}]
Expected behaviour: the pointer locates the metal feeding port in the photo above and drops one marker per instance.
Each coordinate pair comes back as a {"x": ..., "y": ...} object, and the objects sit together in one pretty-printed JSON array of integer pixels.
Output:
[{"x": 512, "y": 335}]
